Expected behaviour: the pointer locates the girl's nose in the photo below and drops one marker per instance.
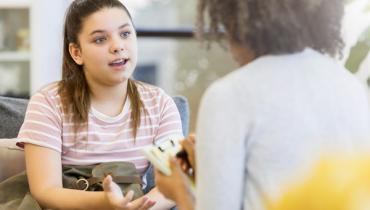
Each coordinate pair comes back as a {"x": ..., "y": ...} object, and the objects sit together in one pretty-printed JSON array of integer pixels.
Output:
[{"x": 118, "y": 48}]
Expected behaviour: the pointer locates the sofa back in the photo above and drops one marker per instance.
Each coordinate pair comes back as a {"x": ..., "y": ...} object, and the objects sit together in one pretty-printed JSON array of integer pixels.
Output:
[{"x": 12, "y": 112}]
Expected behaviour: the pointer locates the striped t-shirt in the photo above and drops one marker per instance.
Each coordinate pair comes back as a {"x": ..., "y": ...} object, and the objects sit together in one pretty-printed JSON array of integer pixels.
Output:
[{"x": 103, "y": 138}]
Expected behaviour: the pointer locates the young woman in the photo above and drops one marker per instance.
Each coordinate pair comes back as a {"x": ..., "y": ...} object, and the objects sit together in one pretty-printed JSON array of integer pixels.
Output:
[
  {"x": 96, "y": 113},
  {"x": 268, "y": 121}
]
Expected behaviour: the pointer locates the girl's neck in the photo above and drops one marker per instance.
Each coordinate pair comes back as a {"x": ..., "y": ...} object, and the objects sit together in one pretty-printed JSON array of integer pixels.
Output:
[{"x": 109, "y": 100}]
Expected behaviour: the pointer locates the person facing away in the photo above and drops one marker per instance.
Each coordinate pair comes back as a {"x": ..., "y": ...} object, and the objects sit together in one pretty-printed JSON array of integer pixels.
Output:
[
  {"x": 268, "y": 121},
  {"x": 96, "y": 113}
]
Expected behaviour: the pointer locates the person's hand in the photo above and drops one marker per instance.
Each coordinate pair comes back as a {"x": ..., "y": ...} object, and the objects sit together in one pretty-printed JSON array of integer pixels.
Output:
[
  {"x": 189, "y": 146},
  {"x": 117, "y": 201},
  {"x": 176, "y": 186}
]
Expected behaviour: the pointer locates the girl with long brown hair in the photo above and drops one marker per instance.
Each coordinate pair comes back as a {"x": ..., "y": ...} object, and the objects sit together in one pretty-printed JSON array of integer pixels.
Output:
[{"x": 96, "y": 113}]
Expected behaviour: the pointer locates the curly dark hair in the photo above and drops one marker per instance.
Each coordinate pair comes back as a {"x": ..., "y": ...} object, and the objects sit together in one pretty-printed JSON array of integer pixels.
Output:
[{"x": 274, "y": 26}]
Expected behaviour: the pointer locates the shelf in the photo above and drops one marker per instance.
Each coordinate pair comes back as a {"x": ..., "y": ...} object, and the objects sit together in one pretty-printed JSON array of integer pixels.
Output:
[
  {"x": 7, "y": 4},
  {"x": 14, "y": 56}
]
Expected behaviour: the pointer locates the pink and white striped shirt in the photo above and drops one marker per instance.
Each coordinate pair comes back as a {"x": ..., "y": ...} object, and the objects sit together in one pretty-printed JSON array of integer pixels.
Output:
[{"x": 103, "y": 138}]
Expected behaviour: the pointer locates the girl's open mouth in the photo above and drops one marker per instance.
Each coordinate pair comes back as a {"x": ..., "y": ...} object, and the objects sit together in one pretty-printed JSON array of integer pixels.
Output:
[{"x": 119, "y": 62}]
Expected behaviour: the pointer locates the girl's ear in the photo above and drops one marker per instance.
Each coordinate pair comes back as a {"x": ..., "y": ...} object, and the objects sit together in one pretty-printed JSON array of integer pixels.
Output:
[{"x": 75, "y": 53}]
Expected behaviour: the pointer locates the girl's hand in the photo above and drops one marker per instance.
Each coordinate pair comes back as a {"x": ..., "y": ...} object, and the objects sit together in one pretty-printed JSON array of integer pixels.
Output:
[
  {"x": 176, "y": 186},
  {"x": 117, "y": 201}
]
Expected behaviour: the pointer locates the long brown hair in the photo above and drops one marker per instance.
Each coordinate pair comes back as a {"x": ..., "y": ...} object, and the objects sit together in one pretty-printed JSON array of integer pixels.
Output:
[
  {"x": 73, "y": 88},
  {"x": 274, "y": 26}
]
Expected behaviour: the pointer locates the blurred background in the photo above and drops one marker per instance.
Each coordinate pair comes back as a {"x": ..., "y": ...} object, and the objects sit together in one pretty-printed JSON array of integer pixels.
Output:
[{"x": 169, "y": 55}]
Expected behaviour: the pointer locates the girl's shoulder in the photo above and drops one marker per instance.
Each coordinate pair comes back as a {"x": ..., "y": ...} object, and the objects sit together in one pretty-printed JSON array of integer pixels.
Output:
[
  {"x": 50, "y": 91},
  {"x": 48, "y": 98},
  {"x": 149, "y": 91}
]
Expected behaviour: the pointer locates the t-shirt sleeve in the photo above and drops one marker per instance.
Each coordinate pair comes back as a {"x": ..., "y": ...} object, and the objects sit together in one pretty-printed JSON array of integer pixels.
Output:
[
  {"x": 170, "y": 121},
  {"x": 42, "y": 123}
]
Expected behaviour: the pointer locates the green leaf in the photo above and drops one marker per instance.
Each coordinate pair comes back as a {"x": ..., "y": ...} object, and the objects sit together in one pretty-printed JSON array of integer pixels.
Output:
[
  {"x": 359, "y": 52},
  {"x": 357, "y": 55}
]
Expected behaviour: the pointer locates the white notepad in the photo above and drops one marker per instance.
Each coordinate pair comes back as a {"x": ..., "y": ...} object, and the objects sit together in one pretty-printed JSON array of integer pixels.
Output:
[{"x": 159, "y": 154}]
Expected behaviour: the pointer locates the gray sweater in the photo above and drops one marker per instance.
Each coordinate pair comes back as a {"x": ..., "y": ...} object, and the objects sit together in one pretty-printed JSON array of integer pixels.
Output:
[{"x": 264, "y": 125}]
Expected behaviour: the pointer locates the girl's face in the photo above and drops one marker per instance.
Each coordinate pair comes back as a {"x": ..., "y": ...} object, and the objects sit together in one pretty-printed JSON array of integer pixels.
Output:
[{"x": 108, "y": 47}]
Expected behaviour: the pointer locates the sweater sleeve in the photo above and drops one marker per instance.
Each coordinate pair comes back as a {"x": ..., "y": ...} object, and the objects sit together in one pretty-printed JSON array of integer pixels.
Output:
[{"x": 220, "y": 149}]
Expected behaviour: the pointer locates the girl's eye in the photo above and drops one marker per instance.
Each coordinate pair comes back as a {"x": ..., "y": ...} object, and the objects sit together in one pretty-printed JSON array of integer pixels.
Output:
[
  {"x": 125, "y": 34},
  {"x": 99, "y": 40}
]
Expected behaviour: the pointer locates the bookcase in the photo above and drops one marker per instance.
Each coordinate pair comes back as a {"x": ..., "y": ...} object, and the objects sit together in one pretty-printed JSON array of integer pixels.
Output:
[{"x": 15, "y": 47}]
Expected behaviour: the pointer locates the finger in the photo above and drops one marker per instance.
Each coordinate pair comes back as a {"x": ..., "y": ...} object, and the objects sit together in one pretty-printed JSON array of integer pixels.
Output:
[
  {"x": 138, "y": 203},
  {"x": 147, "y": 205},
  {"x": 191, "y": 138},
  {"x": 125, "y": 201},
  {"x": 184, "y": 164},
  {"x": 128, "y": 197},
  {"x": 188, "y": 146},
  {"x": 174, "y": 165},
  {"x": 114, "y": 194},
  {"x": 107, "y": 183}
]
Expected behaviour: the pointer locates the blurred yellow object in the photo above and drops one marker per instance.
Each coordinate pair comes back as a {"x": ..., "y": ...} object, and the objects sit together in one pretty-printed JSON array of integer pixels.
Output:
[{"x": 336, "y": 184}]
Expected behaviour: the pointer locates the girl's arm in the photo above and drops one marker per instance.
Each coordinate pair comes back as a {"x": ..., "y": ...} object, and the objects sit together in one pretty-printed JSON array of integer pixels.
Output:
[{"x": 44, "y": 174}]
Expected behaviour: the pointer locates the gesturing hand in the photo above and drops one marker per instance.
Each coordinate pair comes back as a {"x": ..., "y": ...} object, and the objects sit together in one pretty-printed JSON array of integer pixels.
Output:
[{"x": 117, "y": 201}]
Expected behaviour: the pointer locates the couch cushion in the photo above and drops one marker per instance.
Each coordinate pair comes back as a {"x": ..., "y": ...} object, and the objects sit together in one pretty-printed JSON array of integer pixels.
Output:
[
  {"x": 12, "y": 158},
  {"x": 12, "y": 112}
]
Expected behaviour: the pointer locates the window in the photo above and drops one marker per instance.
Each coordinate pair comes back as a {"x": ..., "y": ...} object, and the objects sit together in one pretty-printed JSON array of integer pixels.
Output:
[{"x": 170, "y": 56}]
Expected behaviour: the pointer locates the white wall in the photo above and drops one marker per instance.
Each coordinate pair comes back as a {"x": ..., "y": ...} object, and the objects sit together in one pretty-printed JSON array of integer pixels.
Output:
[{"x": 47, "y": 18}]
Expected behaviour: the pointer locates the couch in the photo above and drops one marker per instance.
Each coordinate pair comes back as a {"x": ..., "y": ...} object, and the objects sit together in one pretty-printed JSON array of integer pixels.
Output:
[{"x": 12, "y": 111}]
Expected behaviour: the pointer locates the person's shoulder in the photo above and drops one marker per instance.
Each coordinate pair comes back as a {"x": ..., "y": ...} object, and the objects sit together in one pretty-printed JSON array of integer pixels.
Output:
[
  {"x": 149, "y": 91},
  {"x": 222, "y": 88},
  {"x": 231, "y": 79},
  {"x": 49, "y": 91}
]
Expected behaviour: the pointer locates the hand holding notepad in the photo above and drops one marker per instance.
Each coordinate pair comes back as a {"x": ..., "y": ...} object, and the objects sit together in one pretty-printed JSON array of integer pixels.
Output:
[{"x": 160, "y": 154}]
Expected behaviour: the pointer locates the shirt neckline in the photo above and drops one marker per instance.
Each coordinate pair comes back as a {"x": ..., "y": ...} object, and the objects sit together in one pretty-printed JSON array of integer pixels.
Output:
[{"x": 109, "y": 119}]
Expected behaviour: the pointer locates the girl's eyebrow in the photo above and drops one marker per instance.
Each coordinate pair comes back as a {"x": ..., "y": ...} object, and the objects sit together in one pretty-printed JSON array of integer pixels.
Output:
[{"x": 102, "y": 31}]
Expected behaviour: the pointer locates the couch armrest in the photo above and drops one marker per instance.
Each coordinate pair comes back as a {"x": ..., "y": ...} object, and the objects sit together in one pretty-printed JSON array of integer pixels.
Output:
[{"x": 11, "y": 159}]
